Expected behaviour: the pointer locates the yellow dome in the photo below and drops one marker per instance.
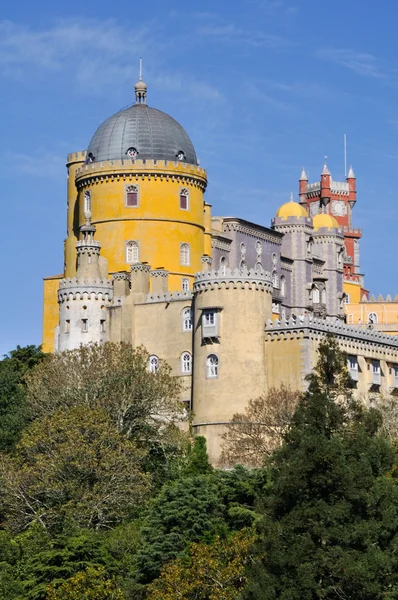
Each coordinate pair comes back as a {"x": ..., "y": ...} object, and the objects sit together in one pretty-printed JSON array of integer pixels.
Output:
[
  {"x": 325, "y": 221},
  {"x": 291, "y": 209}
]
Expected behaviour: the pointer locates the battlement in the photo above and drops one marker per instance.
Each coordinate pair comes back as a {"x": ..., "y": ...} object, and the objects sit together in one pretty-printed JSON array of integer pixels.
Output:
[
  {"x": 235, "y": 278},
  {"x": 169, "y": 297},
  {"x": 159, "y": 168},
  {"x": 338, "y": 187},
  {"x": 308, "y": 325},
  {"x": 75, "y": 289},
  {"x": 76, "y": 156},
  {"x": 380, "y": 298}
]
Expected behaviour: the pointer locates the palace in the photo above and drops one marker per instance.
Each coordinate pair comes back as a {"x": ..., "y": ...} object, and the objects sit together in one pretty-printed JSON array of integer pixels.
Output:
[{"x": 234, "y": 307}]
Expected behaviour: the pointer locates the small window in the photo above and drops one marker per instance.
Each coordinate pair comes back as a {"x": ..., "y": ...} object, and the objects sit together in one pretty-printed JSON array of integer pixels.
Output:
[
  {"x": 259, "y": 248},
  {"x": 180, "y": 155},
  {"x": 187, "y": 319},
  {"x": 84, "y": 325},
  {"x": 132, "y": 196},
  {"x": 186, "y": 363},
  {"x": 372, "y": 318},
  {"x": 209, "y": 318},
  {"x": 185, "y": 255},
  {"x": 323, "y": 294},
  {"x": 102, "y": 325},
  {"x": 67, "y": 326},
  {"x": 153, "y": 364},
  {"x": 212, "y": 366},
  {"x": 315, "y": 295},
  {"x": 283, "y": 286},
  {"x": 209, "y": 324},
  {"x": 132, "y": 252},
  {"x": 132, "y": 152},
  {"x": 184, "y": 199},
  {"x": 353, "y": 363},
  {"x": 87, "y": 202},
  {"x": 223, "y": 265},
  {"x": 376, "y": 366},
  {"x": 185, "y": 285},
  {"x": 346, "y": 299},
  {"x": 275, "y": 280}
]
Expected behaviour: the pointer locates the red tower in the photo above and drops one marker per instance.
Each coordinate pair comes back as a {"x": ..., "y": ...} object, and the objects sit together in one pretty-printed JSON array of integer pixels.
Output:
[{"x": 336, "y": 198}]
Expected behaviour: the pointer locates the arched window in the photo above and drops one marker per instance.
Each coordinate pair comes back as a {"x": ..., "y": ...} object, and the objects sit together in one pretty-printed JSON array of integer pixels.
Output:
[
  {"x": 185, "y": 284},
  {"x": 223, "y": 265},
  {"x": 340, "y": 256},
  {"x": 87, "y": 202},
  {"x": 275, "y": 279},
  {"x": 323, "y": 296},
  {"x": 153, "y": 363},
  {"x": 212, "y": 366},
  {"x": 258, "y": 267},
  {"x": 132, "y": 252},
  {"x": 186, "y": 363},
  {"x": 184, "y": 199},
  {"x": 185, "y": 255},
  {"x": 131, "y": 195},
  {"x": 259, "y": 248},
  {"x": 373, "y": 318},
  {"x": 315, "y": 294},
  {"x": 187, "y": 319},
  {"x": 283, "y": 286},
  {"x": 242, "y": 264},
  {"x": 309, "y": 245}
]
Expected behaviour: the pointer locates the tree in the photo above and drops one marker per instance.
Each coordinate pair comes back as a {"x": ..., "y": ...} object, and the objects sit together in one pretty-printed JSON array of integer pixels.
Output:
[
  {"x": 91, "y": 584},
  {"x": 14, "y": 414},
  {"x": 331, "y": 516},
  {"x": 330, "y": 374},
  {"x": 211, "y": 572},
  {"x": 73, "y": 464},
  {"x": 197, "y": 461},
  {"x": 193, "y": 509},
  {"x": 255, "y": 434},
  {"x": 115, "y": 379}
]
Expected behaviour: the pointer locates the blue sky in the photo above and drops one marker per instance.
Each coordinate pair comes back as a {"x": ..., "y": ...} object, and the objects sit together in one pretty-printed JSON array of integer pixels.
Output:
[{"x": 263, "y": 87}]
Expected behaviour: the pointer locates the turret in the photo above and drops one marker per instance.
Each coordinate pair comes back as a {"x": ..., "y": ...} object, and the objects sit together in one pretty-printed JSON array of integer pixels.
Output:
[
  {"x": 303, "y": 181},
  {"x": 325, "y": 186},
  {"x": 83, "y": 300}
]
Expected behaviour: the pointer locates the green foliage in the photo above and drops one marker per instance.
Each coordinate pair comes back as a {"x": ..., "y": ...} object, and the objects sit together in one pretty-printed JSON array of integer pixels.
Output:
[
  {"x": 197, "y": 458},
  {"x": 331, "y": 374},
  {"x": 331, "y": 516},
  {"x": 13, "y": 405},
  {"x": 75, "y": 465},
  {"x": 91, "y": 584},
  {"x": 193, "y": 509}
]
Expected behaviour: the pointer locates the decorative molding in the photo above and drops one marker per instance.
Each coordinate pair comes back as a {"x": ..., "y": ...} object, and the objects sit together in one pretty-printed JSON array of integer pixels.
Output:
[
  {"x": 252, "y": 232},
  {"x": 140, "y": 267},
  {"x": 159, "y": 273}
]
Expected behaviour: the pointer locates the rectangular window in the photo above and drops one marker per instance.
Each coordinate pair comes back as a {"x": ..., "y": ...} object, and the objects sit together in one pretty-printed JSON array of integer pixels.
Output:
[
  {"x": 102, "y": 325},
  {"x": 184, "y": 199},
  {"x": 67, "y": 326},
  {"x": 353, "y": 367},
  {"x": 376, "y": 372},
  {"x": 84, "y": 325},
  {"x": 209, "y": 324},
  {"x": 132, "y": 199}
]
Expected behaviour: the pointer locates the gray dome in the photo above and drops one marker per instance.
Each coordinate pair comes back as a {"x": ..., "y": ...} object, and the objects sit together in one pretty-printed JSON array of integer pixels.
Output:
[{"x": 144, "y": 133}]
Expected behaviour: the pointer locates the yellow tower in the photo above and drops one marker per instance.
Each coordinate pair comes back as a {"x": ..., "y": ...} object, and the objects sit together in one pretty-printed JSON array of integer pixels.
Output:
[{"x": 141, "y": 180}]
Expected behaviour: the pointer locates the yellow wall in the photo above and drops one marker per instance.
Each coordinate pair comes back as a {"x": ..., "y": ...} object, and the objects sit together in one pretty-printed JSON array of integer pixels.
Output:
[
  {"x": 50, "y": 311},
  {"x": 353, "y": 290},
  {"x": 158, "y": 223},
  {"x": 387, "y": 315}
]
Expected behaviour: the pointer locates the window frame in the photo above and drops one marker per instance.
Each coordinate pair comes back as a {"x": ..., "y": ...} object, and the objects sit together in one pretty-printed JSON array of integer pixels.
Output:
[
  {"x": 87, "y": 201},
  {"x": 153, "y": 363},
  {"x": 134, "y": 245},
  {"x": 185, "y": 284},
  {"x": 184, "y": 193},
  {"x": 187, "y": 319},
  {"x": 186, "y": 365},
  {"x": 85, "y": 325},
  {"x": 208, "y": 366},
  {"x": 373, "y": 322},
  {"x": 185, "y": 254},
  {"x": 128, "y": 190}
]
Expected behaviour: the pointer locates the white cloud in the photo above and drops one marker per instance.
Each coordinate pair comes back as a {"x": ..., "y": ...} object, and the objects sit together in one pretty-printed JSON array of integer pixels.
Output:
[
  {"x": 231, "y": 34},
  {"x": 361, "y": 63},
  {"x": 93, "y": 54}
]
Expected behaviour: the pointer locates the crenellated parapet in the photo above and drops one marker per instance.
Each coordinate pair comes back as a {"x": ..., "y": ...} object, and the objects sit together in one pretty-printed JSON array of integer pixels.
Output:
[
  {"x": 136, "y": 170},
  {"x": 168, "y": 297},
  {"x": 233, "y": 278},
  {"x": 311, "y": 327},
  {"x": 77, "y": 289}
]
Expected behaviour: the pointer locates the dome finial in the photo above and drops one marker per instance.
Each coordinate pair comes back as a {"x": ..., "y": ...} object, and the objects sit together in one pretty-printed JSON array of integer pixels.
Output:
[
  {"x": 325, "y": 170},
  {"x": 291, "y": 197},
  {"x": 140, "y": 88}
]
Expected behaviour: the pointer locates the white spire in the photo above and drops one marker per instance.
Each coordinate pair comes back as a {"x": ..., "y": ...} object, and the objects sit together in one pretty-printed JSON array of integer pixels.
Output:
[
  {"x": 325, "y": 170},
  {"x": 140, "y": 88},
  {"x": 351, "y": 174},
  {"x": 303, "y": 176}
]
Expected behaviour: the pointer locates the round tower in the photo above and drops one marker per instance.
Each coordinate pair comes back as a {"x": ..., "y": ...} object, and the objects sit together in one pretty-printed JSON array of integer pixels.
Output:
[
  {"x": 231, "y": 308},
  {"x": 83, "y": 299},
  {"x": 146, "y": 189}
]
